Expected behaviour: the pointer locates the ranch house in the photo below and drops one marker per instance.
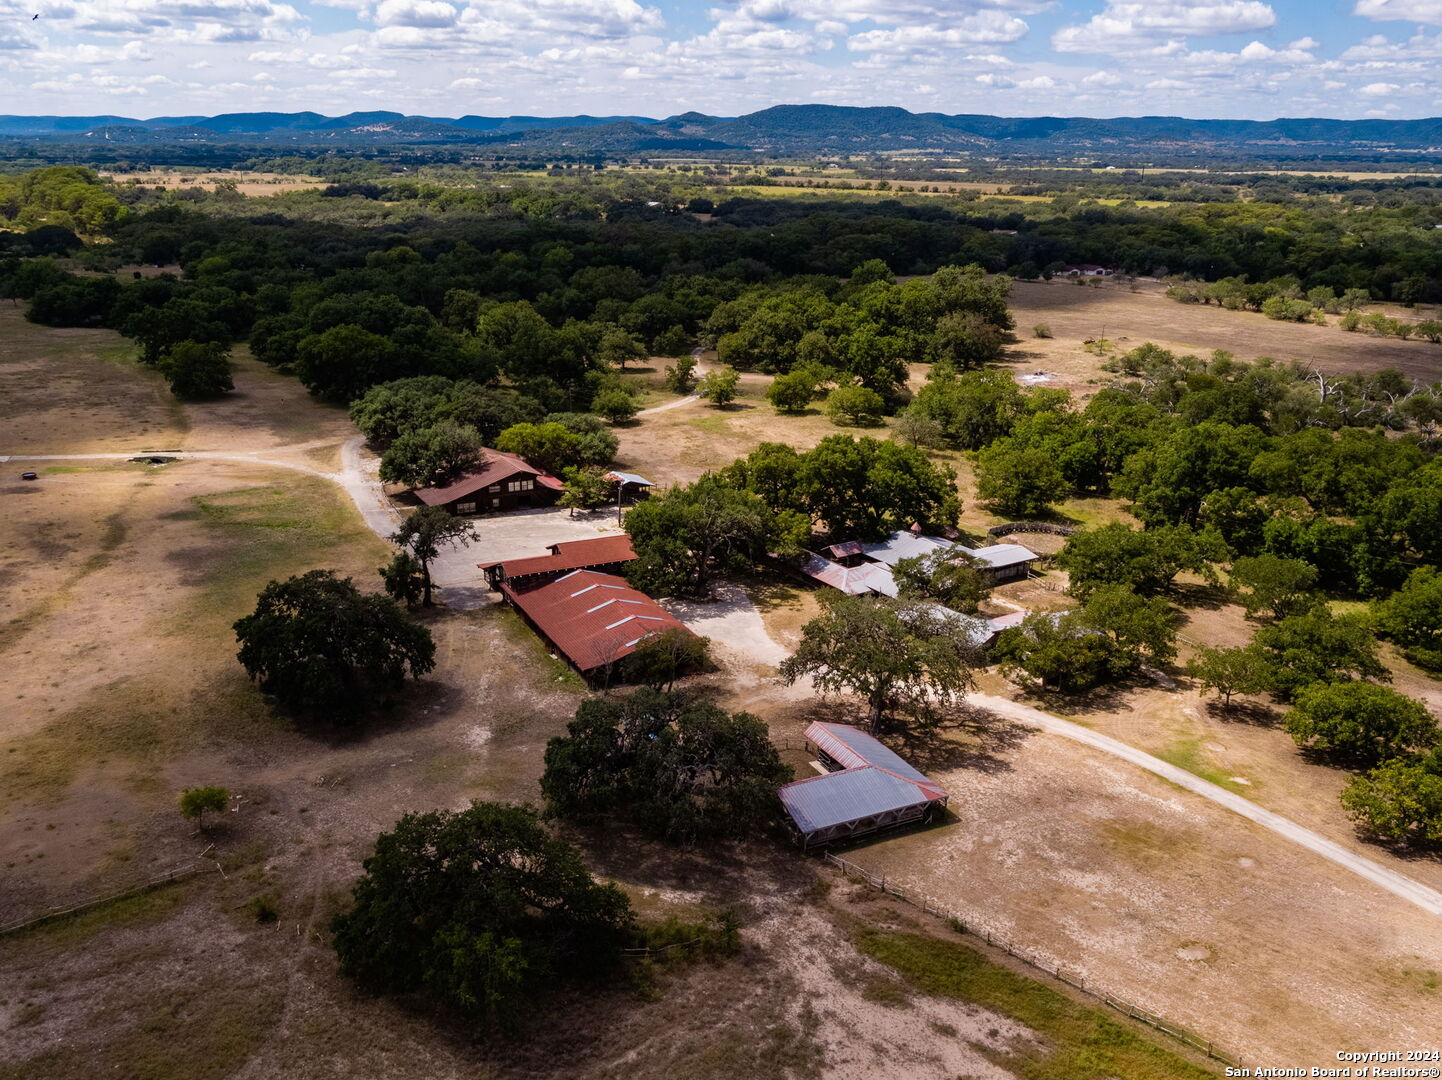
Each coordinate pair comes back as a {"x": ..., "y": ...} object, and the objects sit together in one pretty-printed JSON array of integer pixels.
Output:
[{"x": 500, "y": 482}]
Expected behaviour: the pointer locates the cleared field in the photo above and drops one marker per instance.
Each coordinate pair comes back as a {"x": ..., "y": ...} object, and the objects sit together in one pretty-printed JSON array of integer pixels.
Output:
[
  {"x": 1169, "y": 901},
  {"x": 247, "y": 183},
  {"x": 1076, "y": 313}
]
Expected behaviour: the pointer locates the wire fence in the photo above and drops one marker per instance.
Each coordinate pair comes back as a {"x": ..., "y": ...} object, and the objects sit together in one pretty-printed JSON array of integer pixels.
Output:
[
  {"x": 646, "y": 952},
  {"x": 1071, "y": 977},
  {"x": 74, "y": 908}
]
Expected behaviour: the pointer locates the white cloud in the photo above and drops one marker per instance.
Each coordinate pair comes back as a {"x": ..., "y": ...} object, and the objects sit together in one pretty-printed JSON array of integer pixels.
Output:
[
  {"x": 428, "y": 13},
  {"x": 1126, "y": 24},
  {"x": 1378, "y": 89},
  {"x": 986, "y": 27},
  {"x": 1417, "y": 11}
]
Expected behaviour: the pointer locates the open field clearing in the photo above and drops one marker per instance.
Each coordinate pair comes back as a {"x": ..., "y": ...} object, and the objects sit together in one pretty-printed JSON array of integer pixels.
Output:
[
  {"x": 1127, "y": 319},
  {"x": 247, "y": 183},
  {"x": 1180, "y": 906}
]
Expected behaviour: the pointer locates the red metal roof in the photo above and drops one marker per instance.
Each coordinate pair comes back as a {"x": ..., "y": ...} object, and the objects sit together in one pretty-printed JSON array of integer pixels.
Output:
[
  {"x": 569, "y": 555},
  {"x": 495, "y": 468},
  {"x": 595, "y": 619}
]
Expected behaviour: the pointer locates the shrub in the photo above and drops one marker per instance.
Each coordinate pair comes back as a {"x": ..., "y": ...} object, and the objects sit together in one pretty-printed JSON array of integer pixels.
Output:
[
  {"x": 855, "y": 405},
  {"x": 1041, "y": 330}
]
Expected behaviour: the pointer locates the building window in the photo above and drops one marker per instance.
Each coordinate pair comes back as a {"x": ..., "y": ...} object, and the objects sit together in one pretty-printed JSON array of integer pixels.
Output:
[
  {"x": 494, "y": 487},
  {"x": 466, "y": 508},
  {"x": 522, "y": 485}
]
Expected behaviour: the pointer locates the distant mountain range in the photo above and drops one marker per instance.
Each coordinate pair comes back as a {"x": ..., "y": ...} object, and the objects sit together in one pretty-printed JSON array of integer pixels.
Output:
[{"x": 783, "y": 129}]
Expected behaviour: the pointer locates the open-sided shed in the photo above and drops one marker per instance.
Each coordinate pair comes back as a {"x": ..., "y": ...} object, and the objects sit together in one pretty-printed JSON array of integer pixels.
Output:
[{"x": 869, "y": 788}]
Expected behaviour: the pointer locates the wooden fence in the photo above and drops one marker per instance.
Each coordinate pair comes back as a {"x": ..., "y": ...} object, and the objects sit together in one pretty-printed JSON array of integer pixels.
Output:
[
  {"x": 75, "y": 908},
  {"x": 1070, "y": 977},
  {"x": 1031, "y": 526}
]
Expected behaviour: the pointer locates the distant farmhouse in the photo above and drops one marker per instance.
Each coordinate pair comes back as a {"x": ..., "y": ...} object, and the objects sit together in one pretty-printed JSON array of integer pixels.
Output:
[
  {"x": 594, "y": 620},
  {"x": 866, "y": 788},
  {"x": 500, "y": 482},
  {"x": 1084, "y": 270}
]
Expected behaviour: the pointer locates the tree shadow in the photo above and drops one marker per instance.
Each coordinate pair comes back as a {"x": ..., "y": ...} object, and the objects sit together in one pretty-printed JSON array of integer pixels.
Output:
[
  {"x": 965, "y": 738},
  {"x": 1254, "y": 713},
  {"x": 1210, "y": 597}
]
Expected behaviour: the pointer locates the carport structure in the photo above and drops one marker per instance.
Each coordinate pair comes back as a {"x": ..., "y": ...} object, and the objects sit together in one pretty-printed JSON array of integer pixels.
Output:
[{"x": 868, "y": 788}]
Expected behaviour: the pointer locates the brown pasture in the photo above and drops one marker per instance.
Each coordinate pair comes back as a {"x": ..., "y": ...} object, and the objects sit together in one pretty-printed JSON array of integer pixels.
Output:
[{"x": 1076, "y": 313}]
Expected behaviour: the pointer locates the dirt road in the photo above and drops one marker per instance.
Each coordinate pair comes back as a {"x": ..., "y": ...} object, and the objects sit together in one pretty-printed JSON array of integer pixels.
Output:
[{"x": 1428, "y": 899}]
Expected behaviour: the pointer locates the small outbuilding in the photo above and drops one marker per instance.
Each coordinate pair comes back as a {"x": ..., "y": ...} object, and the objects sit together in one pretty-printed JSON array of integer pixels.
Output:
[
  {"x": 497, "y": 483},
  {"x": 867, "y": 788}
]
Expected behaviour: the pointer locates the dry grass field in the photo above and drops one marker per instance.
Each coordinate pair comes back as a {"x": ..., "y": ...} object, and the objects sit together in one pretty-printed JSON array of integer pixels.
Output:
[
  {"x": 118, "y": 584},
  {"x": 247, "y": 183},
  {"x": 1076, "y": 313}
]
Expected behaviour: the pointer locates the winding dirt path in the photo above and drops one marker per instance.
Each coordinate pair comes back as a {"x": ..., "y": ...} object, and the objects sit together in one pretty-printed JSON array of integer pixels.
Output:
[{"x": 1428, "y": 899}]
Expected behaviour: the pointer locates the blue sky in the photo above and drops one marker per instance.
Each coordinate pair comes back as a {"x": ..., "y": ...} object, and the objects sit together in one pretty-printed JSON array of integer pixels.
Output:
[{"x": 1254, "y": 59}]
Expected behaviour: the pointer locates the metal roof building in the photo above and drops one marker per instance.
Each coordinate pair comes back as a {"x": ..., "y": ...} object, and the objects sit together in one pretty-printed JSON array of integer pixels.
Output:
[
  {"x": 868, "y": 788},
  {"x": 592, "y": 619},
  {"x": 605, "y": 553}
]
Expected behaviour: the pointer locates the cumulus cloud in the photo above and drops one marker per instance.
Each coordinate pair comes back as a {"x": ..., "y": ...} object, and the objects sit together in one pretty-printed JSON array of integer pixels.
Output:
[
  {"x": 1125, "y": 24},
  {"x": 429, "y": 13},
  {"x": 1416, "y": 11},
  {"x": 1378, "y": 89}
]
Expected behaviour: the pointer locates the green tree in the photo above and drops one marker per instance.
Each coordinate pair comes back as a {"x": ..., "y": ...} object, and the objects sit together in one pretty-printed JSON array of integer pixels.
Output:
[
  {"x": 920, "y": 431},
  {"x": 345, "y": 361},
  {"x": 951, "y": 578},
  {"x": 586, "y": 489},
  {"x": 792, "y": 392},
  {"x": 966, "y": 340},
  {"x": 1055, "y": 651},
  {"x": 855, "y": 405},
  {"x": 690, "y": 534},
  {"x": 1317, "y": 647},
  {"x": 1141, "y": 630},
  {"x": 1023, "y": 481},
  {"x": 719, "y": 387},
  {"x": 1231, "y": 671},
  {"x": 615, "y": 404},
  {"x": 404, "y": 579},
  {"x": 1412, "y": 617},
  {"x": 194, "y": 802},
  {"x": 1361, "y": 722},
  {"x": 551, "y": 446},
  {"x": 424, "y": 533},
  {"x": 674, "y": 764},
  {"x": 617, "y": 348},
  {"x": 863, "y": 489},
  {"x": 974, "y": 409},
  {"x": 431, "y": 456},
  {"x": 318, "y": 643},
  {"x": 660, "y": 659},
  {"x": 681, "y": 376},
  {"x": 480, "y": 909},
  {"x": 898, "y": 656},
  {"x": 1400, "y": 800},
  {"x": 1144, "y": 560},
  {"x": 197, "y": 369},
  {"x": 1276, "y": 585},
  {"x": 386, "y": 411}
]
